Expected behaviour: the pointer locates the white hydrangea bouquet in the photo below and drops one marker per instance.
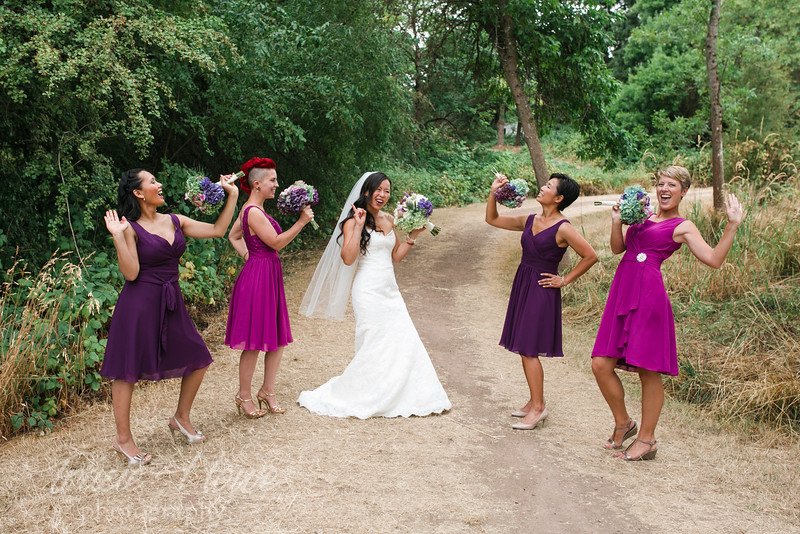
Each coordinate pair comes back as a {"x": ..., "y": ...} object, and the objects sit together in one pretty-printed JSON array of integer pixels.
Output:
[{"x": 413, "y": 213}]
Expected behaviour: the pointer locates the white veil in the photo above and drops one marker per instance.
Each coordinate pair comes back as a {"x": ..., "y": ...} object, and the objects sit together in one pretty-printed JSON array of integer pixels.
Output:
[{"x": 329, "y": 291}]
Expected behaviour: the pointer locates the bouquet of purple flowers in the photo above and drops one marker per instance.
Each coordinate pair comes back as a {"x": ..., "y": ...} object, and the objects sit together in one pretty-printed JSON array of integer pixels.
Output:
[
  {"x": 296, "y": 197},
  {"x": 512, "y": 193},
  {"x": 205, "y": 194}
]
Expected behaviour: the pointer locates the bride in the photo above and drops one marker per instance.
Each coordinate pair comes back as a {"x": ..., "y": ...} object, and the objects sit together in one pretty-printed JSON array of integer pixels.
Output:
[{"x": 391, "y": 374}]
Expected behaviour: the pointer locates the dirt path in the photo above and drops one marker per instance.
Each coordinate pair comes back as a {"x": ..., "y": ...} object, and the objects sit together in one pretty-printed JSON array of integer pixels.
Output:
[{"x": 465, "y": 471}]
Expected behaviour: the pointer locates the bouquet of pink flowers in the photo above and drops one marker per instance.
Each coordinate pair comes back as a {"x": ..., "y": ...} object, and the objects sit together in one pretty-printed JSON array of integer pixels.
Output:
[
  {"x": 296, "y": 197},
  {"x": 205, "y": 194}
]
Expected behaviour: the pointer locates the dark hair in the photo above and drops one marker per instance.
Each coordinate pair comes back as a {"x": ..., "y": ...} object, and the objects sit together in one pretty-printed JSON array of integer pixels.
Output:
[
  {"x": 127, "y": 205},
  {"x": 372, "y": 183},
  {"x": 567, "y": 187}
]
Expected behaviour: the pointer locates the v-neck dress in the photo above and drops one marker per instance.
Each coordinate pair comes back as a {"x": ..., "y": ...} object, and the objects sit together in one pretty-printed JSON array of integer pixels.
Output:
[
  {"x": 152, "y": 336},
  {"x": 258, "y": 318},
  {"x": 637, "y": 326},
  {"x": 533, "y": 320}
]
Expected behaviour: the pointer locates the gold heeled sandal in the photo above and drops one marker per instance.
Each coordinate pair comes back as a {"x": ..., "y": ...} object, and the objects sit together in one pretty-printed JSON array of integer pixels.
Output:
[
  {"x": 630, "y": 431},
  {"x": 262, "y": 399},
  {"x": 255, "y": 414},
  {"x": 142, "y": 458}
]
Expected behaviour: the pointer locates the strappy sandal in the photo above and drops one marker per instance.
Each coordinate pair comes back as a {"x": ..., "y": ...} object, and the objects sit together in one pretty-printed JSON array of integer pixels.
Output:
[
  {"x": 649, "y": 454},
  {"x": 631, "y": 431},
  {"x": 255, "y": 414},
  {"x": 262, "y": 399}
]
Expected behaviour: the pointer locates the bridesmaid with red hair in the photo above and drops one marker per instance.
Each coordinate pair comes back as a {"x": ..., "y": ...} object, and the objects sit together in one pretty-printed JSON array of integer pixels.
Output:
[{"x": 258, "y": 319}]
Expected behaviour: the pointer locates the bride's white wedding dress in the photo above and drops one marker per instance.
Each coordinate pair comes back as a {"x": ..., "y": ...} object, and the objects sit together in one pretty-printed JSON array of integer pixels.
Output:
[{"x": 391, "y": 374}]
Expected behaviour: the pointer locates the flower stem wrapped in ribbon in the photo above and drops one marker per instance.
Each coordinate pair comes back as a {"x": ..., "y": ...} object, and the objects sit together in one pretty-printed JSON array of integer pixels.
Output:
[
  {"x": 634, "y": 205},
  {"x": 413, "y": 212},
  {"x": 512, "y": 194},
  {"x": 296, "y": 197},
  {"x": 205, "y": 194}
]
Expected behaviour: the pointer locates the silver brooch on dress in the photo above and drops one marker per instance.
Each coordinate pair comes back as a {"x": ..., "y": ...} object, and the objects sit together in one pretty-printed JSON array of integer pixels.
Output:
[{"x": 640, "y": 257}]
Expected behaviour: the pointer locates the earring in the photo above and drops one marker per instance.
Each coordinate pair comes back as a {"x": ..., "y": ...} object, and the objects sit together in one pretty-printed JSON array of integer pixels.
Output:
[{"x": 258, "y": 189}]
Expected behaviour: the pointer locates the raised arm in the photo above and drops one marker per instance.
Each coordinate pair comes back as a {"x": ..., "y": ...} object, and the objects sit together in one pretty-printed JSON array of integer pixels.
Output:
[
  {"x": 203, "y": 230},
  {"x": 687, "y": 232},
  {"x": 125, "y": 243},
  {"x": 403, "y": 245},
  {"x": 260, "y": 226},
  {"x": 351, "y": 236},
  {"x": 508, "y": 222},
  {"x": 617, "y": 239}
]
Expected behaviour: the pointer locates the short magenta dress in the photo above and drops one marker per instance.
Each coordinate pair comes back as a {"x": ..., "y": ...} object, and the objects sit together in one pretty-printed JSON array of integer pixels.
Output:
[
  {"x": 637, "y": 326},
  {"x": 258, "y": 318}
]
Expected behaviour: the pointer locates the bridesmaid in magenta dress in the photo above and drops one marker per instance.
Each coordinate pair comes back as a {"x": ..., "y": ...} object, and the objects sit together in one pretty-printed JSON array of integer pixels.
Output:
[
  {"x": 533, "y": 322},
  {"x": 258, "y": 320},
  {"x": 152, "y": 336},
  {"x": 637, "y": 330}
]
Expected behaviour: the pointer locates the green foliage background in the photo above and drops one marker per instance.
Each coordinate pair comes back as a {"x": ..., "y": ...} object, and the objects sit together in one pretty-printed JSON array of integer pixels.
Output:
[{"x": 328, "y": 90}]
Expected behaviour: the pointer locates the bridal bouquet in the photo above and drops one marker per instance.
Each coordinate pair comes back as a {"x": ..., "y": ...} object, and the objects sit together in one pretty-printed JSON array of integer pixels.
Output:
[
  {"x": 512, "y": 194},
  {"x": 634, "y": 205},
  {"x": 413, "y": 212},
  {"x": 296, "y": 197},
  {"x": 205, "y": 194}
]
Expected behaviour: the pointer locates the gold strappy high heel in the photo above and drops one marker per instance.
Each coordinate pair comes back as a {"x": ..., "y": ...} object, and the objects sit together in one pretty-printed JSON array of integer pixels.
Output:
[
  {"x": 262, "y": 399},
  {"x": 255, "y": 414}
]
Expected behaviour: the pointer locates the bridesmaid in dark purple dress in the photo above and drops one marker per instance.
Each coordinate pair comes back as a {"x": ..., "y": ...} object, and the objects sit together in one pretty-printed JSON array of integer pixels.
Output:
[
  {"x": 258, "y": 319},
  {"x": 533, "y": 321},
  {"x": 151, "y": 335},
  {"x": 637, "y": 331}
]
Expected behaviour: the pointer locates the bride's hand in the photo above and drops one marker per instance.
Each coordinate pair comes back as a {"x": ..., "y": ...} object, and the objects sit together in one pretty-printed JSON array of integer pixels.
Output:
[{"x": 360, "y": 216}]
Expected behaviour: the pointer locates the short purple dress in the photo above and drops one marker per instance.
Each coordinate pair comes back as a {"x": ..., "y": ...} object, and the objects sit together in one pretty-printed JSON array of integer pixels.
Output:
[
  {"x": 637, "y": 325},
  {"x": 533, "y": 319},
  {"x": 152, "y": 336},
  {"x": 258, "y": 318}
]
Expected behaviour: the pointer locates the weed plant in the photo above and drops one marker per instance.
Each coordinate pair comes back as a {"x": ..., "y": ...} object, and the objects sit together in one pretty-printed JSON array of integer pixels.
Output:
[{"x": 53, "y": 326}]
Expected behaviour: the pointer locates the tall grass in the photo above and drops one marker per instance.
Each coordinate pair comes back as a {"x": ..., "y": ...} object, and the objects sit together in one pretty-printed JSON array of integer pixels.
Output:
[{"x": 50, "y": 351}]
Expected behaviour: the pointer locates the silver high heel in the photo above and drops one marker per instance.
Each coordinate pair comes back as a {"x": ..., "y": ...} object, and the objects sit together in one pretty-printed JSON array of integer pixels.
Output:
[
  {"x": 531, "y": 426},
  {"x": 142, "y": 458},
  {"x": 519, "y": 413},
  {"x": 190, "y": 438}
]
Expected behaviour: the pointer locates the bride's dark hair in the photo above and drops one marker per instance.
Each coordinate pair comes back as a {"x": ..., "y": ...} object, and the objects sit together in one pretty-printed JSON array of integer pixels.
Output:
[{"x": 372, "y": 183}]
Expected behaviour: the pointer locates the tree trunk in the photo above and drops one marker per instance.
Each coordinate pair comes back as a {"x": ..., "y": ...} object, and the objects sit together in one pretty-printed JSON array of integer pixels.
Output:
[
  {"x": 507, "y": 50},
  {"x": 717, "y": 170},
  {"x": 501, "y": 125}
]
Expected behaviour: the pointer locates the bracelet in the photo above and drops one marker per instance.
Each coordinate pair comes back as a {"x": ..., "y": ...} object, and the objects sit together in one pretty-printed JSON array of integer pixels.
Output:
[
  {"x": 410, "y": 241},
  {"x": 563, "y": 282}
]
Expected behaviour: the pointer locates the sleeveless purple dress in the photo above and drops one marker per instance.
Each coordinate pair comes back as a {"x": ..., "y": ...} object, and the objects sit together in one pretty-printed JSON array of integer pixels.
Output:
[
  {"x": 258, "y": 318},
  {"x": 637, "y": 325},
  {"x": 533, "y": 319},
  {"x": 152, "y": 336}
]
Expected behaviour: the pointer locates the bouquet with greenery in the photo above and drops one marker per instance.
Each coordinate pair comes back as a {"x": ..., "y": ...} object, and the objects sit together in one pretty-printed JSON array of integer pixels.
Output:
[
  {"x": 512, "y": 194},
  {"x": 205, "y": 194},
  {"x": 413, "y": 212},
  {"x": 634, "y": 205}
]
